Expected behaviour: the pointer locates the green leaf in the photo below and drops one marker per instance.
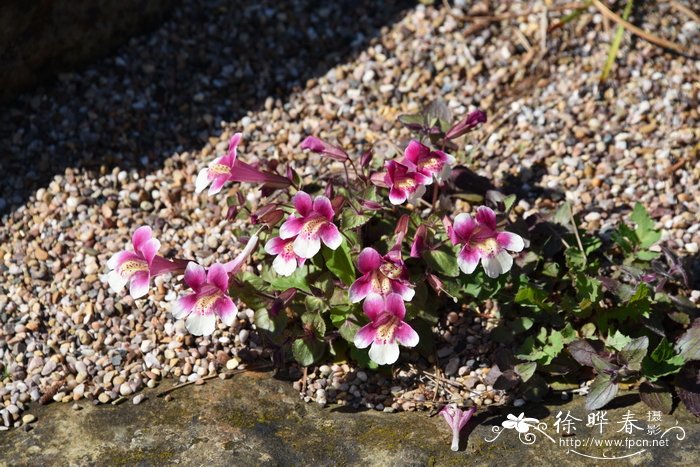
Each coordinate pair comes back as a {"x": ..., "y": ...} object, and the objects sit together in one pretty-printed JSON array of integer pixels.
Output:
[
  {"x": 350, "y": 219},
  {"x": 603, "y": 390},
  {"x": 634, "y": 352},
  {"x": 588, "y": 288},
  {"x": 645, "y": 231},
  {"x": 339, "y": 263},
  {"x": 601, "y": 365},
  {"x": 617, "y": 341},
  {"x": 688, "y": 345},
  {"x": 306, "y": 351},
  {"x": 274, "y": 324},
  {"x": 361, "y": 356},
  {"x": 316, "y": 322},
  {"x": 297, "y": 280},
  {"x": 534, "y": 297},
  {"x": 348, "y": 330},
  {"x": 509, "y": 201},
  {"x": 442, "y": 261},
  {"x": 526, "y": 370},
  {"x": 662, "y": 361}
]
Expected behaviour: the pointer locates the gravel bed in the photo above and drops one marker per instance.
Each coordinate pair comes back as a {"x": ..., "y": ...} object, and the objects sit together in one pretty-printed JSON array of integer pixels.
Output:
[{"x": 118, "y": 145}]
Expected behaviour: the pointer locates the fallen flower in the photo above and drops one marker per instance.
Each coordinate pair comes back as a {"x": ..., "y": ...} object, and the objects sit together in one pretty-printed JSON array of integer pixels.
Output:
[
  {"x": 387, "y": 327},
  {"x": 313, "y": 224},
  {"x": 457, "y": 419},
  {"x": 381, "y": 275},
  {"x": 483, "y": 242},
  {"x": 208, "y": 301}
]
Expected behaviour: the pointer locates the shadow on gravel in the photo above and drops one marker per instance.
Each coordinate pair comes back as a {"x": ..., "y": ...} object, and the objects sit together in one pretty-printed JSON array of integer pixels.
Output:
[{"x": 168, "y": 91}]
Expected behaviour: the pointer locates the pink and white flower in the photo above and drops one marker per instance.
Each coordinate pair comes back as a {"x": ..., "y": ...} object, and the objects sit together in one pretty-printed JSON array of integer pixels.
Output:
[
  {"x": 483, "y": 242},
  {"x": 209, "y": 300},
  {"x": 286, "y": 261},
  {"x": 135, "y": 267},
  {"x": 456, "y": 418},
  {"x": 219, "y": 170},
  {"x": 429, "y": 163},
  {"x": 313, "y": 224},
  {"x": 386, "y": 330},
  {"x": 381, "y": 275},
  {"x": 404, "y": 182}
]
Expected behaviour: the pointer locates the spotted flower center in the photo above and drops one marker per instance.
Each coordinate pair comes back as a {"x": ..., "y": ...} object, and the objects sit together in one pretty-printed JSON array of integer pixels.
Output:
[
  {"x": 206, "y": 301},
  {"x": 387, "y": 328},
  {"x": 390, "y": 270},
  {"x": 381, "y": 283},
  {"x": 431, "y": 164},
  {"x": 313, "y": 225},
  {"x": 219, "y": 169},
  {"x": 489, "y": 246},
  {"x": 406, "y": 183},
  {"x": 288, "y": 250},
  {"x": 132, "y": 266}
]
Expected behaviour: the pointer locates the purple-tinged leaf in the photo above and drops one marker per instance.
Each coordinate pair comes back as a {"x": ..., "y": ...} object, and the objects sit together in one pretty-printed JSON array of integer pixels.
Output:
[
  {"x": 657, "y": 396},
  {"x": 688, "y": 345},
  {"x": 688, "y": 387},
  {"x": 603, "y": 390},
  {"x": 634, "y": 352},
  {"x": 582, "y": 351}
]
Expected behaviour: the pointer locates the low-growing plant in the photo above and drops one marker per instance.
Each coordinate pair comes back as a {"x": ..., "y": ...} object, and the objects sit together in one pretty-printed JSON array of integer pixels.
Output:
[{"x": 362, "y": 260}]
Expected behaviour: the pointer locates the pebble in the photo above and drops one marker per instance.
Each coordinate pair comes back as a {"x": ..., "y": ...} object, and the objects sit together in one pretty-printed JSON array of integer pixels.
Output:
[
  {"x": 138, "y": 399},
  {"x": 29, "y": 418}
]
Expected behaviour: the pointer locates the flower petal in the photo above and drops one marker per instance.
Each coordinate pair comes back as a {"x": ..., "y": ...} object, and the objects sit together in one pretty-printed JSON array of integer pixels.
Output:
[
  {"x": 226, "y": 310},
  {"x": 397, "y": 196},
  {"x": 373, "y": 306},
  {"x": 322, "y": 205},
  {"x": 486, "y": 216},
  {"x": 139, "y": 284},
  {"x": 141, "y": 236},
  {"x": 415, "y": 151},
  {"x": 331, "y": 236},
  {"x": 360, "y": 289},
  {"x": 183, "y": 306},
  {"x": 120, "y": 258},
  {"x": 368, "y": 260},
  {"x": 468, "y": 259},
  {"x": 510, "y": 241},
  {"x": 149, "y": 249},
  {"x": 306, "y": 247},
  {"x": 116, "y": 281},
  {"x": 365, "y": 336},
  {"x": 217, "y": 184},
  {"x": 218, "y": 276},
  {"x": 202, "y": 180},
  {"x": 497, "y": 264},
  {"x": 195, "y": 277},
  {"x": 274, "y": 246},
  {"x": 509, "y": 424},
  {"x": 463, "y": 227},
  {"x": 201, "y": 325},
  {"x": 394, "y": 305},
  {"x": 284, "y": 265},
  {"x": 291, "y": 227},
  {"x": 384, "y": 354},
  {"x": 302, "y": 203},
  {"x": 406, "y": 335},
  {"x": 406, "y": 292}
]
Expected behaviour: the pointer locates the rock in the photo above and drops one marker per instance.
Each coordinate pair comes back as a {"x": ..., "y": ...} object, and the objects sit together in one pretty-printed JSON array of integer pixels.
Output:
[{"x": 29, "y": 418}]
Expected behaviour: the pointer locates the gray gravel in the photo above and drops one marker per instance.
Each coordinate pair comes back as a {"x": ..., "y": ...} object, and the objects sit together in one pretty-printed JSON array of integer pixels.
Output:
[{"x": 119, "y": 144}]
